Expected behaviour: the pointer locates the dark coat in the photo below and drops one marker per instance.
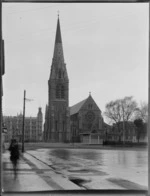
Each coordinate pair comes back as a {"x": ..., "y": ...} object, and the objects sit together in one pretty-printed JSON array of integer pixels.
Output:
[{"x": 14, "y": 152}]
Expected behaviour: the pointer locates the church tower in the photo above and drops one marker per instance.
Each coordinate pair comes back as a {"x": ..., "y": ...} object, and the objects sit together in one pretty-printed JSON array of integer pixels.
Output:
[{"x": 58, "y": 95}]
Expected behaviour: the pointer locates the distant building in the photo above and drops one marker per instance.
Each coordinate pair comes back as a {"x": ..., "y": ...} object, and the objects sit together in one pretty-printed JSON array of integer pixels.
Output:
[
  {"x": 45, "y": 132},
  {"x": 122, "y": 132},
  {"x": 127, "y": 132},
  {"x": 32, "y": 130}
]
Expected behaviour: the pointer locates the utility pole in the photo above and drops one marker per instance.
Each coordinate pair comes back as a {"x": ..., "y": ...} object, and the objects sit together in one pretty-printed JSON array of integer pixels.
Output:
[
  {"x": 148, "y": 128},
  {"x": 24, "y": 99},
  {"x": 123, "y": 125},
  {"x": 123, "y": 131},
  {"x": 1, "y": 91}
]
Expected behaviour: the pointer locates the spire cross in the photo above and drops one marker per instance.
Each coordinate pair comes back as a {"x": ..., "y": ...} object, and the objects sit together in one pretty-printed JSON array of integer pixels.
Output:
[{"x": 90, "y": 93}]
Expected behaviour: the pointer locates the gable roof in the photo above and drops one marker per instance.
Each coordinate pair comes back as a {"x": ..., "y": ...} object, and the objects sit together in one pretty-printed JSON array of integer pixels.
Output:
[{"x": 75, "y": 108}]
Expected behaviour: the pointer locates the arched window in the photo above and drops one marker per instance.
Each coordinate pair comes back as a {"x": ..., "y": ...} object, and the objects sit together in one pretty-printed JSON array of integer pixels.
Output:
[
  {"x": 90, "y": 106},
  {"x": 60, "y": 91},
  {"x": 59, "y": 74}
]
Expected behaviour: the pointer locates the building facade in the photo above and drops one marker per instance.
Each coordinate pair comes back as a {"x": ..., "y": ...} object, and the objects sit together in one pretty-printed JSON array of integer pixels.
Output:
[
  {"x": 32, "y": 127},
  {"x": 86, "y": 122},
  {"x": 82, "y": 122},
  {"x": 57, "y": 122}
]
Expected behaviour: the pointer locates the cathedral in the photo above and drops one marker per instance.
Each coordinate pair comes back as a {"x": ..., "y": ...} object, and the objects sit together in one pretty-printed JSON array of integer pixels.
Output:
[{"x": 82, "y": 122}]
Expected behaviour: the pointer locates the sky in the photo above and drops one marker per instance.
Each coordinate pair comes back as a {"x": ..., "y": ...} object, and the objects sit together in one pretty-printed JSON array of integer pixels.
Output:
[{"x": 105, "y": 51}]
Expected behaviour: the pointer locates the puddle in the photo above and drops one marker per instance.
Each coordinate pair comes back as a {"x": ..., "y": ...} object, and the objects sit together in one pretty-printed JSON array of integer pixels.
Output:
[
  {"x": 79, "y": 181},
  {"x": 82, "y": 170},
  {"x": 87, "y": 171}
]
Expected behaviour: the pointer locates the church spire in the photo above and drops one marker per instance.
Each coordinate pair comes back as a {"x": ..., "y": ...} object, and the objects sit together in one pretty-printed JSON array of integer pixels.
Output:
[
  {"x": 58, "y": 48},
  {"x": 58, "y": 33},
  {"x": 58, "y": 68}
]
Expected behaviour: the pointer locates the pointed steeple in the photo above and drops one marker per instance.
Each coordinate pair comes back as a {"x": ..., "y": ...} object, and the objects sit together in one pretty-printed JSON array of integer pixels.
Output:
[
  {"x": 58, "y": 64},
  {"x": 58, "y": 33},
  {"x": 58, "y": 48}
]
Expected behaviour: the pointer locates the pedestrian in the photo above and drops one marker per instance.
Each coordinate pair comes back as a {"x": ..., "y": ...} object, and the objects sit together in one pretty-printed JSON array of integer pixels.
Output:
[{"x": 14, "y": 155}]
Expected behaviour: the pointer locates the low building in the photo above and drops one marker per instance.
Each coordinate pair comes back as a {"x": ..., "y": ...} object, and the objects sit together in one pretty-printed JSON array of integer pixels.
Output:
[{"x": 127, "y": 132}]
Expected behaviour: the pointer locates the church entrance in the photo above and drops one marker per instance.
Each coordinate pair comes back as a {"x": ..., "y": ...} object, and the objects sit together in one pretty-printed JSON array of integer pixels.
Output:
[
  {"x": 92, "y": 138},
  {"x": 85, "y": 139}
]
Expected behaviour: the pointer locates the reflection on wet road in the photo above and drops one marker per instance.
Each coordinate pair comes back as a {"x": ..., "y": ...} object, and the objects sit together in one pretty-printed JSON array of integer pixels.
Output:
[{"x": 97, "y": 165}]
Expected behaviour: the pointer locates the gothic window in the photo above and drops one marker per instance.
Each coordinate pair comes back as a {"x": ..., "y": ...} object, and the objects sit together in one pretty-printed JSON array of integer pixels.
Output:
[
  {"x": 63, "y": 126},
  {"x": 90, "y": 116},
  {"x": 59, "y": 74},
  {"x": 90, "y": 106},
  {"x": 60, "y": 91},
  {"x": 56, "y": 125}
]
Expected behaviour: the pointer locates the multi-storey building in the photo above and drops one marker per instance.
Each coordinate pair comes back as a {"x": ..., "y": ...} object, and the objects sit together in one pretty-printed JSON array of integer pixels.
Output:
[{"x": 32, "y": 127}]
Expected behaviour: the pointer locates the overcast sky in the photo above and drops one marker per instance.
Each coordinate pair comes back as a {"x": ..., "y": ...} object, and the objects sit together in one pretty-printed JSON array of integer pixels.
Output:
[{"x": 105, "y": 50}]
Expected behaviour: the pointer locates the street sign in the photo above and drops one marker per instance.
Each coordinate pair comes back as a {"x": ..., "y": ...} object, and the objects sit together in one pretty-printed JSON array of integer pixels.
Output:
[{"x": 75, "y": 1}]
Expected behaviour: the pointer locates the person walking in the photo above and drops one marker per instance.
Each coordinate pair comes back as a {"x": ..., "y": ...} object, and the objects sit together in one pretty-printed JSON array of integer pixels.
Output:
[{"x": 14, "y": 155}]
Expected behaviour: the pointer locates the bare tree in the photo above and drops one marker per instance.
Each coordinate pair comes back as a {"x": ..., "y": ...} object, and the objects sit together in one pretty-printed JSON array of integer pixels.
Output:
[
  {"x": 113, "y": 111},
  {"x": 121, "y": 110},
  {"x": 129, "y": 107},
  {"x": 142, "y": 112}
]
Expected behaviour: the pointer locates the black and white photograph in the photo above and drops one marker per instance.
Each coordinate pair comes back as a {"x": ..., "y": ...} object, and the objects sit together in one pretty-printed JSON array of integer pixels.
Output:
[{"x": 74, "y": 104}]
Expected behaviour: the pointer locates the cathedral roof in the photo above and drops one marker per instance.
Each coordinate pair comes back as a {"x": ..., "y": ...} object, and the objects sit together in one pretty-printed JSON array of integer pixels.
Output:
[{"x": 75, "y": 108}]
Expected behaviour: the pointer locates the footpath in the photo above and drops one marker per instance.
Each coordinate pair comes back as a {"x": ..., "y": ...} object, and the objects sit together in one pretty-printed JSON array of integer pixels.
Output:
[
  {"x": 36, "y": 178},
  {"x": 32, "y": 176}
]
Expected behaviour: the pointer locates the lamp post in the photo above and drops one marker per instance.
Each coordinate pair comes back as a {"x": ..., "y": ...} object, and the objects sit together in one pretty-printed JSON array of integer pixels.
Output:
[
  {"x": 23, "y": 121},
  {"x": 23, "y": 118}
]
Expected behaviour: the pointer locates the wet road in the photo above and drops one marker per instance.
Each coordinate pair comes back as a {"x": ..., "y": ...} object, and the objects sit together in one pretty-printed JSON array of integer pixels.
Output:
[{"x": 92, "y": 167}]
